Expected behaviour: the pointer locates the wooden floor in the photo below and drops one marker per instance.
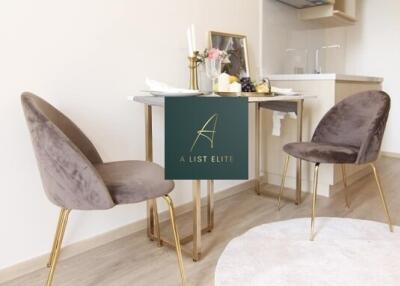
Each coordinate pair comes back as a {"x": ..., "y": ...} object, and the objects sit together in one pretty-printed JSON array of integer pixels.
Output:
[{"x": 134, "y": 260}]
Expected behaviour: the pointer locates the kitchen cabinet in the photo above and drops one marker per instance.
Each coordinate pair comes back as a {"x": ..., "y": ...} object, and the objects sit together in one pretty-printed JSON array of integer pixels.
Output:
[{"x": 339, "y": 13}]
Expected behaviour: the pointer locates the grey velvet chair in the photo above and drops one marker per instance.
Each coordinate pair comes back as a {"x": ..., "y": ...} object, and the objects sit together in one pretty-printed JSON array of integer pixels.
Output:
[
  {"x": 350, "y": 133},
  {"x": 75, "y": 177}
]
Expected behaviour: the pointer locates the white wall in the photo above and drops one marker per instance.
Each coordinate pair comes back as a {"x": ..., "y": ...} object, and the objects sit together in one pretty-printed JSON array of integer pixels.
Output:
[
  {"x": 373, "y": 46},
  {"x": 279, "y": 22},
  {"x": 370, "y": 47},
  {"x": 86, "y": 57}
]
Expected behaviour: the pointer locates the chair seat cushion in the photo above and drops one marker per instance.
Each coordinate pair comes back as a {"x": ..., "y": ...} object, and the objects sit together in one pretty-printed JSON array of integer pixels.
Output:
[
  {"x": 322, "y": 152},
  {"x": 134, "y": 181}
]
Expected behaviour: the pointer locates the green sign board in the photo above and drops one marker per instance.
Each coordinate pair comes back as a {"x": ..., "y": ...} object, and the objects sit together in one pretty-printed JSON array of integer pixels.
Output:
[{"x": 206, "y": 138}]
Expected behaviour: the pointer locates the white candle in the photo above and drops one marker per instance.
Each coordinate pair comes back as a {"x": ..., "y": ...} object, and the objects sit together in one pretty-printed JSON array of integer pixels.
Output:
[
  {"x": 190, "y": 42},
  {"x": 193, "y": 38}
]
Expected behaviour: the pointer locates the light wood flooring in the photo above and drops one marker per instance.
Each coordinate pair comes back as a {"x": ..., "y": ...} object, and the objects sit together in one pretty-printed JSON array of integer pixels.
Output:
[{"x": 134, "y": 260}]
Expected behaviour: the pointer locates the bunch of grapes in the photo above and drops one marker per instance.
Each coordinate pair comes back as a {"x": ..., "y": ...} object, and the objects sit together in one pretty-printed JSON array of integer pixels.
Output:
[{"x": 247, "y": 85}]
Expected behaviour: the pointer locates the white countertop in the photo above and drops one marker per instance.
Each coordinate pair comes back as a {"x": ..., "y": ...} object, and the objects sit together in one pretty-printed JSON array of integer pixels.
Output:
[{"x": 324, "y": 76}]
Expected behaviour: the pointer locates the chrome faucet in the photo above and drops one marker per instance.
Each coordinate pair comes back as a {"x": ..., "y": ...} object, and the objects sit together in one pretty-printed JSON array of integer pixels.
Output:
[{"x": 317, "y": 67}]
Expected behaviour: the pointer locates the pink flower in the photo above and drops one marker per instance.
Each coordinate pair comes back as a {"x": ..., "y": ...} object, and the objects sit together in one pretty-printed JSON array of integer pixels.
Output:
[{"x": 213, "y": 54}]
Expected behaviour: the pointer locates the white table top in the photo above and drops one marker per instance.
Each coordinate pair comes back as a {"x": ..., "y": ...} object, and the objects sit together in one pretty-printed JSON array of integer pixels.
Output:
[{"x": 159, "y": 101}]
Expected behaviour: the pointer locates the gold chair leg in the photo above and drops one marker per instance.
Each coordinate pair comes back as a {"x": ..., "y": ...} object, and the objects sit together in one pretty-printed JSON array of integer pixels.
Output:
[
  {"x": 176, "y": 237},
  {"x": 157, "y": 234},
  {"x": 283, "y": 181},
  {"x": 60, "y": 219},
  {"x": 378, "y": 182},
  {"x": 57, "y": 245},
  {"x": 346, "y": 190},
  {"x": 314, "y": 202}
]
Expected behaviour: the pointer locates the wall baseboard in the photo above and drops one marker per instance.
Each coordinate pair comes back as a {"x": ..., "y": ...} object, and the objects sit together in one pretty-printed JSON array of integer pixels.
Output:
[
  {"x": 82, "y": 246},
  {"x": 324, "y": 189},
  {"x": 391, "y": 154},
  {"x": 351, "y": 179}
]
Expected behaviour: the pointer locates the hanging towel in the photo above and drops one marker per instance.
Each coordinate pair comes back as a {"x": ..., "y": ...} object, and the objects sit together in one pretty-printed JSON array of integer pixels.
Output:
[{"x": 277, "y": 116}]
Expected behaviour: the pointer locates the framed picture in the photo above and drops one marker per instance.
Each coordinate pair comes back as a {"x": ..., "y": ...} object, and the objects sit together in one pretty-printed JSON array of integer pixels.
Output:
[{"x": 236, "y": 48}]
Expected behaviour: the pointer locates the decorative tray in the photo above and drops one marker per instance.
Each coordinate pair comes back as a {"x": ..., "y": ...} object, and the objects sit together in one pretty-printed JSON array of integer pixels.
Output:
[{"x": 247, "y": 94}]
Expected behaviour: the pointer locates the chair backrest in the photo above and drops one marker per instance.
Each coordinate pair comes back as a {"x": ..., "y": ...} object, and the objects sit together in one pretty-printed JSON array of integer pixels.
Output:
[
  {"x": 65, "y": 157},
  {"x": 358, "y": 121}
]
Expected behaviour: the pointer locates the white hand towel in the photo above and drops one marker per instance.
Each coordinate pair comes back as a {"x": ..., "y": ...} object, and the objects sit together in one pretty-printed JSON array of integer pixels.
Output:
[
  {"x": 292, "y": 115},
  {"x": 277, "y": 116}
]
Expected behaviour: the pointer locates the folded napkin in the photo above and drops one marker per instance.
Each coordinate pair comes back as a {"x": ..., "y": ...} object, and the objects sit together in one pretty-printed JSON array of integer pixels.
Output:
[{"x": 158, "y": 86}]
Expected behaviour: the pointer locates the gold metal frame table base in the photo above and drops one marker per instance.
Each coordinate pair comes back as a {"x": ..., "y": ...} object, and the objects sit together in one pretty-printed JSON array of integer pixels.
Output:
[
  {"x": 299, "y": 137},
  {"x": 153, "y": 228},
  {"x": 154, "y": 224}
]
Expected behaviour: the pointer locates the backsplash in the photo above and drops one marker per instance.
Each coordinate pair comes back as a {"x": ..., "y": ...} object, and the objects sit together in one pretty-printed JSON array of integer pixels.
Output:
[
  {"x": 289, "y": 44},
  {"x": 301, "y": 52}
]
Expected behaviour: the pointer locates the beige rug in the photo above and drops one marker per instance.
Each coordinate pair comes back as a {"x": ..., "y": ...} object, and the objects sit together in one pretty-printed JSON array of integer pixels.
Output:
[{"x": 345, "y": 252}]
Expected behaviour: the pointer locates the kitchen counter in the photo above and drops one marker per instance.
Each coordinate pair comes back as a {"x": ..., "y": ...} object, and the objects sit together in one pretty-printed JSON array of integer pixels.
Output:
[{"x": 325, "y": 76}]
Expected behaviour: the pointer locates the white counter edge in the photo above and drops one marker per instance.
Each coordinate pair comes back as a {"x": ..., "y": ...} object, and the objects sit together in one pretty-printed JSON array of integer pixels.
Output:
[{"x": 324, "y": 76}]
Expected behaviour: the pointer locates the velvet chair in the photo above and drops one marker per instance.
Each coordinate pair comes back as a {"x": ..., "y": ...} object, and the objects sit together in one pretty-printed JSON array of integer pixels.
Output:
[
  {"x": 350, "y": 133},
  {"x": 75, "y": 177}
]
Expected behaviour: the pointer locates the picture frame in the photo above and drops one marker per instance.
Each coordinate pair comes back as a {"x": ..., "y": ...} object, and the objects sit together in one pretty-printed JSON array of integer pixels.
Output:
[{"x": 236, "y": 47}]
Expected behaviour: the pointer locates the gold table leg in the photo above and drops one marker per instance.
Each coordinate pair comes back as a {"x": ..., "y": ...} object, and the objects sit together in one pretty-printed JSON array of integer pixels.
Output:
[
  {"x": 148, "y": 126},
  {"x": 196, "y": 220},
  {"x": 299, "y": 139},
  {"x": 283, "y": 181},
  {"x": 148, "y": 132},
  {"x": 257, "y": 148},
  {"x": 210, "y": 205}
]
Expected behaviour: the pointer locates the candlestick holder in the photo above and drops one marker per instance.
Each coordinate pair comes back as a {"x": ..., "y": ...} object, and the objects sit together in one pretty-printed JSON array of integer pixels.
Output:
[{"x": 193, "y": 64}]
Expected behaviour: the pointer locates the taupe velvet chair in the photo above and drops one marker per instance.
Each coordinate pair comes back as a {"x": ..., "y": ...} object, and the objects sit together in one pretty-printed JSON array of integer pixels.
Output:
[
  {"x": 350, "y": 133},
  {"x": 75, "y": 177}
]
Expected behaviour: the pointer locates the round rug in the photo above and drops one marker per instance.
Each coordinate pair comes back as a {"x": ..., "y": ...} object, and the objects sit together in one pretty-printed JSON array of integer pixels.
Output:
[{"x": 345, "y": 252}]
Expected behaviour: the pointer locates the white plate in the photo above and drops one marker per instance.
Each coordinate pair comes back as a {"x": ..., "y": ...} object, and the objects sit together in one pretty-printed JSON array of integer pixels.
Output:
[
  {"x": 163, "y": 93},
  {"x": 290, "y": 93}
]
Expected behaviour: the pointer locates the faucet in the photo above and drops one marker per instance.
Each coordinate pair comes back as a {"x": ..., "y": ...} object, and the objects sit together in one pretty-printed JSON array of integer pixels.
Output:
[{"x": 317, "y": 67}]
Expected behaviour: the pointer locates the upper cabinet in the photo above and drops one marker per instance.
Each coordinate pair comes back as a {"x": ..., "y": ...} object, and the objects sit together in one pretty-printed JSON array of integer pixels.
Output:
[
  {"x": 328, "y": 13},
  {"x": 340, "y": 13}
]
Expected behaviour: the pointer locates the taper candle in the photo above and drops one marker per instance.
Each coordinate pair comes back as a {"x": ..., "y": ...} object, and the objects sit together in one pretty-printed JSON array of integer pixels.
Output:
[
  {"x": 190, "y": 42},
  {"x": 193, "y": 38}
]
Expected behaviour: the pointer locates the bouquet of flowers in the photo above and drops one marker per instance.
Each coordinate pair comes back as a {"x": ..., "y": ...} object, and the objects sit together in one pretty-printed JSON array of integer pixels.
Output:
[{"x": 214, "y": 54}]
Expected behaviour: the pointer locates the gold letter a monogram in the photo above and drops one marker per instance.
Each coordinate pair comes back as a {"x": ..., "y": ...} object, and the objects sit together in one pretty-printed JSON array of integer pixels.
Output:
[{"x": 209, "y": 134}]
